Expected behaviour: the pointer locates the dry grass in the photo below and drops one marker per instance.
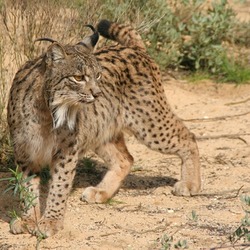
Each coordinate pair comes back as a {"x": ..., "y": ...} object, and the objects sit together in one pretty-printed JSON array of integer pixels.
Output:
[{"x": 21, "y": 22}]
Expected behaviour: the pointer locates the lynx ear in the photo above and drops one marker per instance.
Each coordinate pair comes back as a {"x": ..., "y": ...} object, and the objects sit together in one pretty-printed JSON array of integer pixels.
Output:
[
  {"x": 55, "y": 53},
  {"x": 90, "y": 42}
]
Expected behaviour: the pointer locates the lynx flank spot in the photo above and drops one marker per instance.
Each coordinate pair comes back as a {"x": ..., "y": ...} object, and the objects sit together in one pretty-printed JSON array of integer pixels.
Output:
[{"x": 55, "y": 115}]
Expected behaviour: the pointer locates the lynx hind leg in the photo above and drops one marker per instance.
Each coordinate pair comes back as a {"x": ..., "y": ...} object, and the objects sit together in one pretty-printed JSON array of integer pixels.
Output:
[
  {"x": 119, "y": 160},
  {"x": 158, "y": 128},
  {"x": 182, "y": 142},
  {"x": 30, "y": 205},
  {"x": 190, "y": 183}
]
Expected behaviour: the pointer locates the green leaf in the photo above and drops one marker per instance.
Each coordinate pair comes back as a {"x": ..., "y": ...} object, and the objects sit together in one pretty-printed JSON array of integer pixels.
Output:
[
  {"x": 6, "y": 179},
  {"x": 8, "y": 189},
  {"x": 29, "y": 178}
]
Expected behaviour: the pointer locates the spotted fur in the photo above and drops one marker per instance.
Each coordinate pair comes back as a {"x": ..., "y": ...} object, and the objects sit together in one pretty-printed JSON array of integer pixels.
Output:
[{"x": 132, "y": 99}]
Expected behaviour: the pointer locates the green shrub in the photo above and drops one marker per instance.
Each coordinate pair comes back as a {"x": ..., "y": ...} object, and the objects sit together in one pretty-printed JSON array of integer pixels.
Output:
[
  {"x": 189, "y": 35},
  {"x": 242, "y": 233},
  {"x": 234, "y": 71},
  {"x": 185, "y": 34}
]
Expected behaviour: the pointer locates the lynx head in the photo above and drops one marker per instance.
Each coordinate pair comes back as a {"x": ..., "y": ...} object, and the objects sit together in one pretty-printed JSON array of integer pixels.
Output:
[{"x": 71, "y": 79}]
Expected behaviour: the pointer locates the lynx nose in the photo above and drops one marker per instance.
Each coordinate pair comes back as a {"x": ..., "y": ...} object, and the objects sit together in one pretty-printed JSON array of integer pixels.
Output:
[{"x": 96, "y": 91}]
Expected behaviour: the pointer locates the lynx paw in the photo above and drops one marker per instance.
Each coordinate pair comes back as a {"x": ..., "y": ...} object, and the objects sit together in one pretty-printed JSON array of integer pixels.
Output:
[
  {"x": 182, "y": 188},
  {"x": 22, "y": 226},
  {"x": 94, "y": 195},
  {"x": 48, "y": 227}
]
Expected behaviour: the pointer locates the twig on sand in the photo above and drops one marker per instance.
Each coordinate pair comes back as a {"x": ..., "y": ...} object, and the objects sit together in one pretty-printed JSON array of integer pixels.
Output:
[
  {"x": 223, "y": 195},
  {"x": 236, "y": 195},
  {"x": 217, "y": 118},
  {"x": 236, "y": 103},
  {"x": 228, "y": 136},
  {"x": 229, "y": 246}
]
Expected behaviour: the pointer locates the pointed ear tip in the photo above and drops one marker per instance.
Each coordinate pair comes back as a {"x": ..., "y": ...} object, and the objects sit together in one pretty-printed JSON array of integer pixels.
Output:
[
  {"x": 90, "y": 41},
  {"x": 56, "y": 51},
  {"x": 56, "y": 46}
]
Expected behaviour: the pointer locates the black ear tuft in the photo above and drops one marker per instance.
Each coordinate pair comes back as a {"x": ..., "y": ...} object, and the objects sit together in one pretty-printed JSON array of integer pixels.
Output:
[
  {"x": 90, "y": 41},
  {"x": 47, "y": 39},
  {"x": 95, "y": 37}
]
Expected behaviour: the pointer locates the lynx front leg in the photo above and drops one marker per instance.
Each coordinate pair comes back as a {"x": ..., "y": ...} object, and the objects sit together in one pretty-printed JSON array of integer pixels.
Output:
[
  {"x": 30, "y": 204},
  {"x": 118, "y": 158},
  {"x": 62, "y": 174}
]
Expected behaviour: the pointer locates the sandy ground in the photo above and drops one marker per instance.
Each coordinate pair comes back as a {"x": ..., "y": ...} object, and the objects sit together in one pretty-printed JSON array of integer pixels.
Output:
[{"x": 144, "y": 212}]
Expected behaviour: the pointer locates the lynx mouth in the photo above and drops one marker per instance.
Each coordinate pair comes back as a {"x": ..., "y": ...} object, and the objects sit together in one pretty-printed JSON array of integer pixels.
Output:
[{"x": 87, "y": 98}]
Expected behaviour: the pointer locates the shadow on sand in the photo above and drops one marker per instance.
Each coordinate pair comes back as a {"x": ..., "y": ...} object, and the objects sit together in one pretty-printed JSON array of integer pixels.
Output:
[{"x": 89, "y": 173}]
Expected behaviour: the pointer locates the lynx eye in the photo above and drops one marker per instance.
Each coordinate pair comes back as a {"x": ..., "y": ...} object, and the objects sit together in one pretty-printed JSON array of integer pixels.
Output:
[{"x": 79, "y": 78}]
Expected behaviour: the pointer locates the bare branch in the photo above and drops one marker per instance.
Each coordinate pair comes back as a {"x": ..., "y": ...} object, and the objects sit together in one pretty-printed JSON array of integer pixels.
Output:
[
  {"x": 207, "y": 119},
  {"x": 236, "y": 103},
  {"x": 214, "y": 137}
]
